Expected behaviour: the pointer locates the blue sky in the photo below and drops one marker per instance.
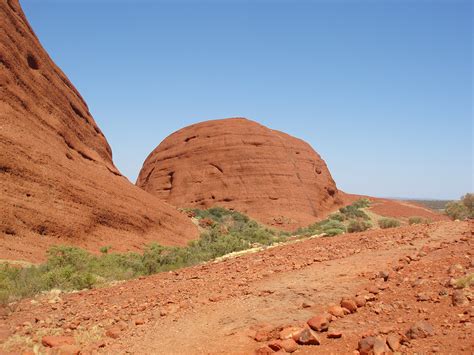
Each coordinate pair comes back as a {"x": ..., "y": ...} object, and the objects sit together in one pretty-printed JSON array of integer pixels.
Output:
[{"x": 381, "y": 89}]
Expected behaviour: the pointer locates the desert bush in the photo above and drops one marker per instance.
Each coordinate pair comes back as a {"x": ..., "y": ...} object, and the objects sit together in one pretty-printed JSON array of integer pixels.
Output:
[
  {"x": 332, "y": 227},
  {"x": 358, "y": 225},
  {"x": 416, "y": 220},
  {"x": 465, "y": 281},
  {"x": 456, "y": 210},
  {"x": 353, "y": 212},
  {"x": 361, "y": 203},
  {"x": 385, "y": 223},
  {"x": 72, "y": 268},
  {"x": 468, "y": 201},
  {"x": 338, "y": 216}
]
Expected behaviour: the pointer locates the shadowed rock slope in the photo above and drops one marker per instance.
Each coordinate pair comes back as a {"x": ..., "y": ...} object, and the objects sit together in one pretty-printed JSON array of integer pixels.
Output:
[
  {"x": 237, "y": 163},
  {"x": 58, "y": 181}
]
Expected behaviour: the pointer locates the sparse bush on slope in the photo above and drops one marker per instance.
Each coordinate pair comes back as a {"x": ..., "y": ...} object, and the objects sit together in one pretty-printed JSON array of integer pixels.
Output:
[
  {"x": 385, "y": 223},
  {"x": 456, "y": 210},
  {"x": 72, "y": 268},
  {"x": 358, "y": 225}
]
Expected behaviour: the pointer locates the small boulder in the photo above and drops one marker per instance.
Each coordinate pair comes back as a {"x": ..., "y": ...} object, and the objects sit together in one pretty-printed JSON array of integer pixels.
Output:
[
  {"x": 459, "y": 298},
  {"x": 380, "y": 347},
  {"x": 384, "y": 275},
  {"x": 289, "y": 332},
  {"x": 420, "y": 329},
  {"x": 336, "y": 311},
  {"x": 319, "y": 323},
  {"x": 366, "y": 345},
  {"x": 289, "y": 345},
  {"x": 360, "y": 301},
  {"x": 334, "y": 334},
  {"x": 393, "y": 341},
  {"x": 262, "y": 335},
  {"x": 307, "y": 337},
  {"x": 53, "y": 341},
  {"x": 113, "y": 332},
  {"x": 264, "y": 350},
  {"x": 349, "y": 304}
]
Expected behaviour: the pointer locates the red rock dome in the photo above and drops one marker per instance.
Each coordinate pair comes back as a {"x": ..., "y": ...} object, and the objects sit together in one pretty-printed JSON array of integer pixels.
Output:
[
  {"x": 58, "y": 181},
  {"x": 240, "y": 164}
]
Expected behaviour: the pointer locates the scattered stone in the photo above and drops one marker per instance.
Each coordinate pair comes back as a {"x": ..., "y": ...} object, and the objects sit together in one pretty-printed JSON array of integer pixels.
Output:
[
  {"x": 366, "y": 345},
  {"x": 336, "y": 311},
  {"x": 264, "y": 350},
  {"x": 380, "y": 347},
  {"x": 53, "y": 341},
  {"x": 360, "y": 301},
  {"x": 275, "y": 345},
  {"x": 113, "y": 332},
  {"x": 334, "y": 334},
  {"x": 289, "y": 332},
  {"x": 422, "y": 297},
  {"x": 420, "y": 329},
  {"x": 349, "y": 304},
  {"x": 383, "y": 275},
  {"x": 262, "y": 335},
  {"x": 373, "y": 289},
  {"x": 289, "y": 345},
  {"x": 455, "y": 269},
  {"x": 459, "y": 298},
  {"x": 319, "y": 323},
  {"x": 393, "y": 341},
  {"x": 307, "y": 337}
]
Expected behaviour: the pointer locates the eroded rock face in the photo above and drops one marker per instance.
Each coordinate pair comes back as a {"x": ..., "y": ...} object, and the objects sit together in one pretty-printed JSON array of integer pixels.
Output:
[
  {"x": 237, "y": 163},
  {"x": 58, "y": 181}
]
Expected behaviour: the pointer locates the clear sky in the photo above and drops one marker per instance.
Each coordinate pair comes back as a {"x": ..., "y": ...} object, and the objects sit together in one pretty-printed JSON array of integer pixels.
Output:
[{"x": 381, "y": 89}]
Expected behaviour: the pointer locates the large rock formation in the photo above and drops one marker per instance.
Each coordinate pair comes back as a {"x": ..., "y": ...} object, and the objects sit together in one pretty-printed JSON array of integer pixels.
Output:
[
  {"x": 58, "y": 181},
  {"x": 236, "y": 163}
]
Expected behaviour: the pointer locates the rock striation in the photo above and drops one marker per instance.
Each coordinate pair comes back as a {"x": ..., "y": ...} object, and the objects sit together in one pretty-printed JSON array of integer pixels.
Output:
[
  {"x": 58, "y": 181},
  {"x": 240, "y": 164}
]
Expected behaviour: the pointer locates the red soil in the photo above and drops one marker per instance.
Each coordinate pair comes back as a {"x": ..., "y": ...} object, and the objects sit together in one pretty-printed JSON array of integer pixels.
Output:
[
  {"x": 58, "y": 181},
  {"x": 222, "y": 307}
]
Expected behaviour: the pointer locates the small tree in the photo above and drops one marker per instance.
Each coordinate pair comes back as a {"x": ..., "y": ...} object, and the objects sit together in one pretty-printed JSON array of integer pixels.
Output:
[
  {"x": 456, "y": 210},
  {"x": 468, "y": 201}
]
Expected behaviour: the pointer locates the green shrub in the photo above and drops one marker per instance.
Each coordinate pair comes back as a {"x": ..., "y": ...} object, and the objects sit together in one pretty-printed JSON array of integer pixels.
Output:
[
  {"x": 456, "y": 210},
  {"x": 338, "y": 216},
  {"x": 72, "y": 268},
  {"x": 105, "y": 249},
  {"x": 416, "y": 220},
  {"x": 468, "y": 201},
  {"x": 352, "y": 211},
  {"x": 361, "y": 203},
  {"x": 332, "y": 227},
  {"x": 385, "y": 223},
  {"x": 358, "y": 225}
]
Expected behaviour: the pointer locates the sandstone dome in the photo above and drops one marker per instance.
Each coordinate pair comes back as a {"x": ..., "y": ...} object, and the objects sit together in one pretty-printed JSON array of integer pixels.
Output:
[
  {"x": 58, "y": 181},
  {"x": 240, "y": 164}
]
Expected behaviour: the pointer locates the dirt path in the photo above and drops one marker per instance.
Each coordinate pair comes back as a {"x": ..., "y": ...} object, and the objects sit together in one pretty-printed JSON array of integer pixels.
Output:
[{"x": 218, "y": 307}]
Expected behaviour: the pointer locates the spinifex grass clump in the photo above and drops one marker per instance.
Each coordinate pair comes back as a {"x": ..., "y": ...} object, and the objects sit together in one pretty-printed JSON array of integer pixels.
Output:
[
  {"x": 385, "y": 223},
  {"x": 340, "y": 222},
  {"x": 72, "y": 268}
]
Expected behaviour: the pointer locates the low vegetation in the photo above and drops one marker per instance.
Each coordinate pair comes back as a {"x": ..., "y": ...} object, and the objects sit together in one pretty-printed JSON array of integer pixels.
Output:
[
  {"x": 350, "y": 219},
  {"x": 223, "y": 232},
  {"x": 465, "y": 281},
  {"x": 72, "y": 268},
  {"x": 358, "y": 225},
  {"x": 462, "y": 209},
  {"x": 418, "y": 220},
  {"x": 385, "y": 223}
]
